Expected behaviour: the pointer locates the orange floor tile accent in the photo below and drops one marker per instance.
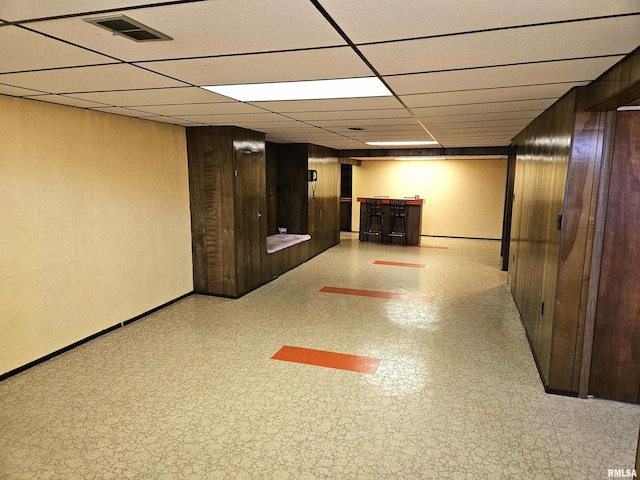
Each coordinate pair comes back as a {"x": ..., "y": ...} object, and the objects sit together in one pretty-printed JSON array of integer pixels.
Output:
[
  {"x": 321, "y": 358},
  {"x": 399, "y": 264},
  {"x": 376, "y": 294}
]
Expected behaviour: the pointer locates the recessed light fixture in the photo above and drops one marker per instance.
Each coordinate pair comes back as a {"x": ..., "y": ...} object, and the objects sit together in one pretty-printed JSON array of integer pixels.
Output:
[
  {"x": 629, "y": 108},
  {"x": 306, "y": 90},
  {"x": 403, "y": 144},
  {"x": 128, "y": 28},
  {"x": 420, "y": 158}
]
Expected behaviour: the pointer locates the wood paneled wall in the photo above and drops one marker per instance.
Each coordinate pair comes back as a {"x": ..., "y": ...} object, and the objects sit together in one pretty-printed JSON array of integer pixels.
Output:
[
  {"x": 558, "y": 160},
  {"x": 227, "y": 195},
  {"x": 271, "y": 175},
  {"x": 291, "y": 186},
  {"x": 617, "y": 86},
  {"x": 542, "y": 158},
  {"x": 615, "y": 362},
  {"x": 324, "y": 210}
]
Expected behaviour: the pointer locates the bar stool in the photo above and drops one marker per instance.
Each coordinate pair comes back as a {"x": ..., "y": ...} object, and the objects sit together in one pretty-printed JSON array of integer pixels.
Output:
[
  {"x": 374, "y": 215},
  {"x": 398, "y": 214}
]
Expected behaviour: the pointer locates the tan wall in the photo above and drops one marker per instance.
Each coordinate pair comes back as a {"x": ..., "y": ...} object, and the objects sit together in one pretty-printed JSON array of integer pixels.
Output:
[
  {"x": 462, "y": 198},
  {"x": 95, "y": 224}
]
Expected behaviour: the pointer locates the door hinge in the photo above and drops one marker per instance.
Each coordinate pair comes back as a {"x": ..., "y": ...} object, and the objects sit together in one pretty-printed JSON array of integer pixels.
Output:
[{"x": 559, "y": 221}]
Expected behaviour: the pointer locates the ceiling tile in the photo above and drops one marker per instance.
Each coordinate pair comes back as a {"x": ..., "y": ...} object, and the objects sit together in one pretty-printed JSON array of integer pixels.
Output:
[
  {"x": 87, "y": 79},
  {"x": 482, "y": 117},
  {"x": 385, "y": 20},
  {"x": 532, "y": 44},
  {"x": 484, "y": 108},
  {"x": 22, "y": 50},
  {"x": 16, "y": 91},
  {"x": 156, "y": 96},
  {"x": 365, "y": 103},
  {"x": 531, "y": 74},
  {"x": 64, "y": 100},
  {"x": 272, "y": 67},
  {"x": 16, "y": 11},
  {"x": 201, "y": 109},
  {"x": 462, "y": 97},
  {"x": 218, "y": 27},
  {"x": 233, "y": 119},
  {"x": 129, "y": 112},
  {"x": 365, "y": 122},
  {"x": 351, "y": 114}
]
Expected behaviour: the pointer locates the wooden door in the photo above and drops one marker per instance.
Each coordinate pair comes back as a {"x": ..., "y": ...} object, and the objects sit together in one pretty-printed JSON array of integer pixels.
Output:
[{"x": 615, "y": 361}]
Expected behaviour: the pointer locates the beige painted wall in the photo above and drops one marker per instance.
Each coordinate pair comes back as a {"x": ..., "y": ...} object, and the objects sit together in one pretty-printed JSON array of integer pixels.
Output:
[
  {"x": 95, "y": 224},
  {"x": 462, "y": 198}
]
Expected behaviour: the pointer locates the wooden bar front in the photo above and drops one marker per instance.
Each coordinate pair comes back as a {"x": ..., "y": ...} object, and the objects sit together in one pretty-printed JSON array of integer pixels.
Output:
[{"x": 413, "y": 209}]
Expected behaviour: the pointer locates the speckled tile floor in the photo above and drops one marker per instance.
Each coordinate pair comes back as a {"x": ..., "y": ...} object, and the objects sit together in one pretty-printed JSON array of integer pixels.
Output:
[{"x": 190, "y": 392}]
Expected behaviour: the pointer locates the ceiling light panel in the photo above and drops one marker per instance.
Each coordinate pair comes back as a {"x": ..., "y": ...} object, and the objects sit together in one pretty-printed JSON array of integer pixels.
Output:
[
  {"x": 221, "y": 27},
  {"x": 463, "y": 97},
  {"x": 306, "y": 90},
  {"x": 516, "y": 75},
  {"x": 385, "y": 20},
  {"x": 270, "y": 67},
  {"x": 155, "y": 96},
  {"x": 22, "y": 50},
  {"x": 406, "y": 143},
  {"x": 532, "y": 44},
  {"x": 86, "y": 79}
]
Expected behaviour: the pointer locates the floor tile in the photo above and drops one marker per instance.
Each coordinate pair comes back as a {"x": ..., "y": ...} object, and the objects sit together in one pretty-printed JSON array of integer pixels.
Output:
[{"x": 191, "y": 392}]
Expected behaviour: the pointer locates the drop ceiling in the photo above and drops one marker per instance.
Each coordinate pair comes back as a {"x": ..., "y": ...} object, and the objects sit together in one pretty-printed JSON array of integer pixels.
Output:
[{"x": 468, "y": 74}]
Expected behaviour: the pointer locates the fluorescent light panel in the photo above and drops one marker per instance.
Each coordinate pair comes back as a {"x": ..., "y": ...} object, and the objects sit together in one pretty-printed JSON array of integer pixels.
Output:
[
  {"x": 307, "y": 90},
  {"x": 402, "y": 144}
]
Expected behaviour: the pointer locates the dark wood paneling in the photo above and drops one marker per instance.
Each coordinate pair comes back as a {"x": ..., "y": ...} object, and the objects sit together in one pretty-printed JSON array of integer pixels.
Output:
[
  {"x": 425, "y": 152},
  {"x": 271, "y": 152},
  {"x": 576, "y": 246},
  {"x": 617, "y": 86},
  {"x": 291, "y": 178},
  {"x": 284, "y": 260},
  {"x": 324, "y": 210},
  {"x": 615, "y": 363},
  {"x": 345, "y": 214},
  {"x": 210, "y": 176},
  {"x": 413, "y": 223},
  {"x": 250, "y": 215},
  {"x": 195, "y": 151},
  {"x": 596, "y": 252},
  {"x": 229, "y": 238},
  {"x": 542, "y": 157},
  {"x": 508, "y": 210}
]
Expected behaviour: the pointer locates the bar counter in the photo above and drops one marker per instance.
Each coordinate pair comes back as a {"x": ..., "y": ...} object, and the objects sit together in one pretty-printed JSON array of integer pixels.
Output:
[{"x": 413, "y": 209}]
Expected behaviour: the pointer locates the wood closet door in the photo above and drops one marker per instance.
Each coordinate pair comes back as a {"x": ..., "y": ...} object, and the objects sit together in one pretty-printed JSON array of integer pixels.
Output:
[
  {"x": 250, "y": 217},
  {"x": 615, "y": 362}
]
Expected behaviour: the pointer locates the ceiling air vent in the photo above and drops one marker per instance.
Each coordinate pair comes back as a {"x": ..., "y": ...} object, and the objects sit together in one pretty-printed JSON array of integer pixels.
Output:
[{"x": 127, "y": 27}]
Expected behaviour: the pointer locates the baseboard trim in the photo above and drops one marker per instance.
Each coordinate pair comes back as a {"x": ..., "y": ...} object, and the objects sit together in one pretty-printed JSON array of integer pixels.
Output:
[
  {"x": 51, "y": 355},
  {"x": 464, "y": 238}
]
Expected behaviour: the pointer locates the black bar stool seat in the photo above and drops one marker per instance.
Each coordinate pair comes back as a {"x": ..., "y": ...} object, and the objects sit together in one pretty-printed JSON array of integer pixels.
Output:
[
  {"x": 373, "y": 220},
  {"x": 398, "y": 222}
]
